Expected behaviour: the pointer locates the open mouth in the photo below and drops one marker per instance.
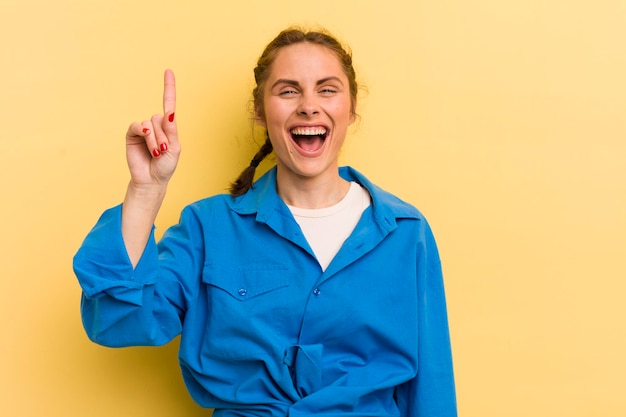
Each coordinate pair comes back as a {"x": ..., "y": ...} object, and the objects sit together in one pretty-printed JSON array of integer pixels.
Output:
[{"x": 309, "y": 139}]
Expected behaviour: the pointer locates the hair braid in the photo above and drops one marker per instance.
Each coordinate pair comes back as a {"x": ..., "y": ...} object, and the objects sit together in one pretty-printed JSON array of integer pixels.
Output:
[{"x": 244, "y": 182}]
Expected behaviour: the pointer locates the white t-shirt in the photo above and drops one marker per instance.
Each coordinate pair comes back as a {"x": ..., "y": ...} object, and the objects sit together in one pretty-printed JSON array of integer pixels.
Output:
[{"x": 326, "y": 229}]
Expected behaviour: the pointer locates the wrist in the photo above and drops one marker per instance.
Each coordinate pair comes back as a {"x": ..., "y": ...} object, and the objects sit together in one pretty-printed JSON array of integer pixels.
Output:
[
  {"x": 146, "y": 190},
  {"x": 146, "y": 199}
]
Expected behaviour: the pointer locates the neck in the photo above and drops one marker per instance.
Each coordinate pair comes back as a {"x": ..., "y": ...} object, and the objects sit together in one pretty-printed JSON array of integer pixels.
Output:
[{"x": 312, "y": 193}]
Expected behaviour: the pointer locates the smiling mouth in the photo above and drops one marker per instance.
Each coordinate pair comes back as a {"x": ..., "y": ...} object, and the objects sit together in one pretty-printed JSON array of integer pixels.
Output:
[{"x": 309, "y": 139}]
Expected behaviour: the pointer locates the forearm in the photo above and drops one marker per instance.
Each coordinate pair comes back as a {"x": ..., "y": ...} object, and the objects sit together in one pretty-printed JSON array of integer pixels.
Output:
[
  {"x": 139, "y": 212},
  {"x": 124, "y": 305}
]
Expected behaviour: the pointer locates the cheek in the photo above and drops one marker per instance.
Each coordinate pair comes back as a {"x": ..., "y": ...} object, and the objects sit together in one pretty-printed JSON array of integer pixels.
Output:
[
  {"x": 275, "y": 111},
  {"x": 344, "y": 108},
  {"x": 343, "y": 114}
]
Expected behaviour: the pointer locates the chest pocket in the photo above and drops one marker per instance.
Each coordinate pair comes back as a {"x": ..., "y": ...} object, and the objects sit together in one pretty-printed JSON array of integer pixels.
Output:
[
  {"x": 246, "y": 282},
  {"x": 247, "y": 309}
]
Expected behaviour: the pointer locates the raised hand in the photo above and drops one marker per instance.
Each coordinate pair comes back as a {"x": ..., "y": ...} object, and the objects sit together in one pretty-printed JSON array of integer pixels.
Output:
[
  {"x": 152, "y": 151},
  {"x": 152, "y": 147}
]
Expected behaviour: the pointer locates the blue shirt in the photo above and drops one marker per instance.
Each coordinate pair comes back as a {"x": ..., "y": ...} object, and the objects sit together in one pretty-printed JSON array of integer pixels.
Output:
[{"x": 264, "y": 331}]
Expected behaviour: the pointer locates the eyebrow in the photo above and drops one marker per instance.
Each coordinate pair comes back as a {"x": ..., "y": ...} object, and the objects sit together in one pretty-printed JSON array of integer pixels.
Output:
[{"x": 297, "y": 84}]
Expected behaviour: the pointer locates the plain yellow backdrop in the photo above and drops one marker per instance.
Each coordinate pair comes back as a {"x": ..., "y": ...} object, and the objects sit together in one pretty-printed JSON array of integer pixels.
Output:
[{"x": 503, "y": 121}]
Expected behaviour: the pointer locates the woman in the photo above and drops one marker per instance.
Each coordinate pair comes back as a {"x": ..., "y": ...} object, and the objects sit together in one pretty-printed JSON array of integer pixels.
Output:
[{"x": 313, "y": 292}]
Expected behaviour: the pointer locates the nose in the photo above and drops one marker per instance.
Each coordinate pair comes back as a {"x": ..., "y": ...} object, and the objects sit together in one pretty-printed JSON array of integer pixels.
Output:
[{"x": 308, "y": 105}]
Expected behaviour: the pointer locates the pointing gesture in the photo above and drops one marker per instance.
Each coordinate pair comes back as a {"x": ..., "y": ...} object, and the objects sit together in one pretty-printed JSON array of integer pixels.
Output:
[
  {"x": 152, "y": 151},
  {"x": 152, "y": 147}
]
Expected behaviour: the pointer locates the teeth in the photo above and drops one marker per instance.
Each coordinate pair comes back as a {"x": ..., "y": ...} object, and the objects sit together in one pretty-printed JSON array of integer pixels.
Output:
[{"x": 308, "y": 131}]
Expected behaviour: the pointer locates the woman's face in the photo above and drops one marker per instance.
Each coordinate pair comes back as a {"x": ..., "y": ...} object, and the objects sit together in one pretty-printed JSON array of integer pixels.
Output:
[{"x": 307, "y": 109}]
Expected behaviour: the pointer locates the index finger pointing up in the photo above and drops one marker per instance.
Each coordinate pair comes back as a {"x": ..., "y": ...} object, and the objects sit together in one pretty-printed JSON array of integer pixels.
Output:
[{"x": 169, "y": 94}]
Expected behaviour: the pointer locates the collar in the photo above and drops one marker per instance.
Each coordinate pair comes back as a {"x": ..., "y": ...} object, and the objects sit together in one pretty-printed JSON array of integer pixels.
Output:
[{"x": 263, "y": 200}]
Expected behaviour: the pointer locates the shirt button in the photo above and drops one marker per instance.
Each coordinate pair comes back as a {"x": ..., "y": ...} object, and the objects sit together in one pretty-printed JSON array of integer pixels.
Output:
[
  {"x": 317, "y": 292},
  {"x": 242, "y": 292}
]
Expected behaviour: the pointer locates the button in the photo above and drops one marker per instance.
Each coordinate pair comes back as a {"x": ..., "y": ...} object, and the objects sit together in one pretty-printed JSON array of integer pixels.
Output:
[
  {"x": 242, "y": 292},
  {"x": 317, "y": 292}
]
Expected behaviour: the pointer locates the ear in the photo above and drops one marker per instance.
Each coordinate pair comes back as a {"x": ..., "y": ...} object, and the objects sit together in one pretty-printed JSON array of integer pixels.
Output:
[
  {"x": 259, "y": 118},
  {"x": 353, "y": 112}
]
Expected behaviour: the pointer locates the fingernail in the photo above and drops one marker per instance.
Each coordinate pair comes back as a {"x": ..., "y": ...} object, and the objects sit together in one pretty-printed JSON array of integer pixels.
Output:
[
  {"x": 156, "y": 153},
  {"x": 164, "y": 147},
  {"x": 171, "y": 118},
  {"x": 145, "y": 130}
]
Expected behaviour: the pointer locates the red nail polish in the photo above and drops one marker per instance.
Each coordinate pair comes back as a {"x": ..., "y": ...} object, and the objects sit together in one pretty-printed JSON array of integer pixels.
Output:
[
  {"x": 145, "y": 130},
  {"x": 156, "y": 153},
  {"x": 171, "y": 118},
  {"x": 163, "y": 147}
]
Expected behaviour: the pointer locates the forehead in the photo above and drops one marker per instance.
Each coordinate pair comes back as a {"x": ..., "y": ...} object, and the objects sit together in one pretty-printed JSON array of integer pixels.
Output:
[{"x": 306, "y": 60}]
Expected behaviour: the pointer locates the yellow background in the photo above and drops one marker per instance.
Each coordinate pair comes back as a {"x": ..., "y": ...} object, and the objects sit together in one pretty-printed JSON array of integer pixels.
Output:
[{"x": 503, "y": 121}]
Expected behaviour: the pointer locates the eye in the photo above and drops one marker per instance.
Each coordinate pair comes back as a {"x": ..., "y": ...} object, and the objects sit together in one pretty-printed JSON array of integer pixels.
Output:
[
  {"x": 288, "y": 92},
  {"x": 328, "y": 91}
]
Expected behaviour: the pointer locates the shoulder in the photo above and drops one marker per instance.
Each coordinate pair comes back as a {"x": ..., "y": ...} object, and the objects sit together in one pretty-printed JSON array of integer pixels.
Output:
[
  {"x": 395, "y": 204},
  {"x": 208, "y": 207},
  {"x": 383, "y": 201},
  {"x": 261, "y": 199}
]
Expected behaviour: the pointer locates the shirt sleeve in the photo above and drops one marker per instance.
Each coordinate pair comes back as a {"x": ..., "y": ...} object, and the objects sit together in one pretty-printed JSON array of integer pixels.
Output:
[
  {"x": 432, "y": 392},
  {"x": 122, "y": 306}
]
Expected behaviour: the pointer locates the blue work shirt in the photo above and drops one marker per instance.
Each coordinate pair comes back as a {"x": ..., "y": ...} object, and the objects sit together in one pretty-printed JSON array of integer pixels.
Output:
[{"x": 264, "y": 331}]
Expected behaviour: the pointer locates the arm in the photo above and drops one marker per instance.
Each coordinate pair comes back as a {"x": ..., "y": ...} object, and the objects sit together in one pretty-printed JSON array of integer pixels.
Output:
[
  {"x": 145, "y": 304},
  {"x": 152, "y": 151},
  {"x": 432, "y": 392},
  {"x": 117, "y": 264}
]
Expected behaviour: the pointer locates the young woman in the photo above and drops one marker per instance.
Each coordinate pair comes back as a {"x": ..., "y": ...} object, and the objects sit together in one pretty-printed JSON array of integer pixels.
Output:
[{"x": 311, "y": 292}]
